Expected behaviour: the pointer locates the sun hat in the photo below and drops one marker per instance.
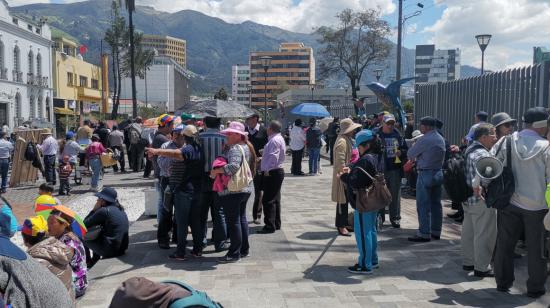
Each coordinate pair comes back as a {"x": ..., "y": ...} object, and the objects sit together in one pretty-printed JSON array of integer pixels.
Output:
[
  {"x": 64, "y": 214},
  {"x": 502, "y": 118},
  {"x": 235, "y": 127},
  {"x": 347, "y": 126},
  {"x": 35, "y": 226},
  {"x": 363, "y": 136},
  {"x": 189, "y": 131},
  {"x": 164, "y": 120},
  {"x": 108, "y": 194},
  {"x": 47, "y": 131},
  {"x": 389, "y": 118}
]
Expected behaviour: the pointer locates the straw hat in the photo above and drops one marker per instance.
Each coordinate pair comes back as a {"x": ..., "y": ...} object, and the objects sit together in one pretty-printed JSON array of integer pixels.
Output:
[
  {"x": 347, "y": 126},
  {"x": 47, "y": 131}
]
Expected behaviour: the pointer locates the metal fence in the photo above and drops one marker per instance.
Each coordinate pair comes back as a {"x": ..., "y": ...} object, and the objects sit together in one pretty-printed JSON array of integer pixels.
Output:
[{"x": 456, "y": 102}]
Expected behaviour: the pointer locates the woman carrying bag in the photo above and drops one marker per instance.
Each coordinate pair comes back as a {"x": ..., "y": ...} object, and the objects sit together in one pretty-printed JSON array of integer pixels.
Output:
[
  {"x": 361, "y": 177},
  {"x": 241, "y": 159}
]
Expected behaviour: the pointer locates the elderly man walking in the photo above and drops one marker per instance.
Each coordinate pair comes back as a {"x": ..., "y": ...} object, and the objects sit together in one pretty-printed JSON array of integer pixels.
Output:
[
  {"x": 479, "y": 228},
  {"x": 429, "y": 154},
  {"x": 49, "y": 148},
  {"x": 273, "y": 176},
  {"x": 530, "y": 160}
]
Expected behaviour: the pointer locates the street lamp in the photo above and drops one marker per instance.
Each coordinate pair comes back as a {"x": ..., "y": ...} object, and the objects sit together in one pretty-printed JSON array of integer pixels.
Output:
[
  {"x": 266, "y": 63},
  {"x": 378, "y": 74},
  {"x": 312, "y": 87},
  {"x": 400, "y": 22},
  {"x": 483, "y": 40},
  {"x": 249, "y": 90}
]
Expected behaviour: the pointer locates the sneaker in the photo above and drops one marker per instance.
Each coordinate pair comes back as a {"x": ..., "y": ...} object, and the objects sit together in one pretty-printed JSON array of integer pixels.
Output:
[
  {"x": 163, "y": 245},
  {"x": 419, "y": 239},
  {"x": 481, "y": 274},
  {"x": 356, "y": 269},
  {"x": 468, "y": 268},
  {"x": 535, "y": 294},
  {"x": 196, "y": 254},
  {"x": 375, "y": 266},
  {"x": 435, "y": 237},
  {"x": 396, "y": 224},
  {"x": 222, "y": 247},
  {"x": 175, "y": 256},
  {"x": 245, "y": 255},
  {"x": 228, "y": 259}
]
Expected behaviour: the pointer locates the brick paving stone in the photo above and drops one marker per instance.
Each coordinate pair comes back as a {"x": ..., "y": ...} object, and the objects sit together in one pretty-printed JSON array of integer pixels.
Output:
[{"x": 304, "y": 264}]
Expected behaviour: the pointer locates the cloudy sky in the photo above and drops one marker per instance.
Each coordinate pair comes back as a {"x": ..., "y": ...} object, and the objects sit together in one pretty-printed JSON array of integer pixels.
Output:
[{"x": 516, "y": 25}]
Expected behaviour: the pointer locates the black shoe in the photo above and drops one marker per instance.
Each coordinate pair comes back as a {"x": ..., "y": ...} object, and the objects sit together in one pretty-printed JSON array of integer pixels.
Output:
[
  {"x": 245, "y": 255},
  {"x": 517, "y": 256},
  {"x": 356, "y": 269},
  {"x": 460, "y": 219},
  {"x": 468, "y": 268},
  {"x": 419, "y": 239},
  {"x": 435, "y": 237},
  {"x": 164, "y": 245},
  {"x": 455, "y": 215},
  {"x": 175, "y": 256},
  {"x": 503, "y": 289},
  {"x": 228, "y": 259},
  {"x": 265, "y": 231},
  {"x": 535, "y": 294},
  {"x": 481, "y": 274},
  {"x": 395, "y": 224}
]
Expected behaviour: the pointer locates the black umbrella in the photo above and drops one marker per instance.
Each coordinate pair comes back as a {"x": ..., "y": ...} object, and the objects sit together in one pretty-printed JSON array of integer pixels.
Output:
[{"x": 218, "y": 108}]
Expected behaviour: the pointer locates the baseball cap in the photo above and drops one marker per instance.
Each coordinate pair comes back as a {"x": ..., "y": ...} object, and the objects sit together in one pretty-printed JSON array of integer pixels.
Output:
[
  {"x": 428, "y": 121},
  {"x": 35, "y": 226},
  {"x": 389, "y": 117},
  {"x": 363, "y": 136},
  {"x": 178, "y": 128},
  {"x": 69, "y": 135}
]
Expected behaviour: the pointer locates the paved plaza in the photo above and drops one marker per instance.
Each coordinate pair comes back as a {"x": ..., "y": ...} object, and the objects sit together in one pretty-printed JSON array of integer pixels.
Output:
[{"x": 304, "y": 264}]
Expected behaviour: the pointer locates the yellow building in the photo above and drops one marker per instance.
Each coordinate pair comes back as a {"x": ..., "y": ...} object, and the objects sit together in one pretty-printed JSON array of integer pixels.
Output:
[
  {"x": 167, "y": 46},
  {"x": 292, "y": 67}
]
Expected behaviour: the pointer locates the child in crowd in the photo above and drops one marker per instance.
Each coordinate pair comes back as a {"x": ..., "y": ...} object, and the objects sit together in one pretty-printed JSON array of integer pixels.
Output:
[
  {"x": 65, "y": 171},
  {"x": 46, "y": 189}
]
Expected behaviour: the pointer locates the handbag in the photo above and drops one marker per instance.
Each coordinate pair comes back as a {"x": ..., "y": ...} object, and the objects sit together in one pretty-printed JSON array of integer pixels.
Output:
[
  {"x": 499, "y": 192},
  {"x": 242, "y": 178},
  {"x": 93, "y": 233},
  {"x": 374, "y": 198}
]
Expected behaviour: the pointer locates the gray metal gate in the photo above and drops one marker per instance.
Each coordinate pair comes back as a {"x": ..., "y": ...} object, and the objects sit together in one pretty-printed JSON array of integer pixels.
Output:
[{"x": 456, "y": 102}]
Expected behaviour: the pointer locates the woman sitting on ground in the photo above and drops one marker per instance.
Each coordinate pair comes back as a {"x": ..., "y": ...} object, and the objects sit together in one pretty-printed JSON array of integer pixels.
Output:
[
  {"x": 109, "y": 216},
  {"x": 48, "y": 251},
  {"x": 364, "y": 222},
  {"x": 59, "y": 226}
]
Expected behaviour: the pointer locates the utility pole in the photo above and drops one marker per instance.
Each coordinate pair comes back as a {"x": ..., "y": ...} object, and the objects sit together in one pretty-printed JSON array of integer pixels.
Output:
[
  {"x": 132, "y": 59},
  {"x": 399, "y": 36}
]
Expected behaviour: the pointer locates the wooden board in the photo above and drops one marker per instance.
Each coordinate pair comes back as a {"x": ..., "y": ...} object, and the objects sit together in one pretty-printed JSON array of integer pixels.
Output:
[{"x": 22, "y": 170}]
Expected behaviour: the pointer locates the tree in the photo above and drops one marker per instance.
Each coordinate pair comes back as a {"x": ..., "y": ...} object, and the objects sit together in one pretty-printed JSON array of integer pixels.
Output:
[
  {"x": 131, "y": 8},
  {"x": 143, "y": 58},
  {"x": 359, "y": 40},
  {"x": 221, "y": 94},
  {"x": 115, "y": 36},
  {"x": 408, "y": 106}
]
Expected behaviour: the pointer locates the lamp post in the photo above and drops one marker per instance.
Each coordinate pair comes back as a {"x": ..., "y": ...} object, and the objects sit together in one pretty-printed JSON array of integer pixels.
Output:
[
  {"x": 400, "y": 22},
  {"x": 266, "y": 63},
  {"x": 483, "y": 41},
  {"x": 378, "y": 74},
  {"x": 312, "y": 87}
]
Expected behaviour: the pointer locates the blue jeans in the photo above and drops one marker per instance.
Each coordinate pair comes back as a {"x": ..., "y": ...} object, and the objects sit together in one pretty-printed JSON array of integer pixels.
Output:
[
  {"x": 314, "y": 155},
  {"x": 95, "y": 164},
  {"x": 234, "y": 207},
  {"x": 4, "y": 168},
  {"x": 364, "y": 225},
  {"x": 187, "y": 210},
  {"x": 428, "y": 202},
  {"x": 49, "y": 168}
]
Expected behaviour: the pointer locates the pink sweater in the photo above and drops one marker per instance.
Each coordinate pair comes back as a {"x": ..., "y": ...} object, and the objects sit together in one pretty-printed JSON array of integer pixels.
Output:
[{"x": 221, "y": 181}]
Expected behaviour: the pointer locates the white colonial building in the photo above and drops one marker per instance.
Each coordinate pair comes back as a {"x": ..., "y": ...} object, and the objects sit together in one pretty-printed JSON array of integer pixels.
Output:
[{"x": 25, "y": 70}]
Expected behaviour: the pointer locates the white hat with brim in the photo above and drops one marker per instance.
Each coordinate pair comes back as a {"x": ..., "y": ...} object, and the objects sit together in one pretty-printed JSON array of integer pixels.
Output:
[{"x": 347, "y": 126}]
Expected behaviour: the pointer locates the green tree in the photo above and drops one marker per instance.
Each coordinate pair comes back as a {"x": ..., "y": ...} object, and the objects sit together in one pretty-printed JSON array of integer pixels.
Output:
[
  {"x": 359, "y": 40},
  {"x": 408, "y": 106},
  {"x": 221, "y": 94},
  {"x": 115, "y": 37}
]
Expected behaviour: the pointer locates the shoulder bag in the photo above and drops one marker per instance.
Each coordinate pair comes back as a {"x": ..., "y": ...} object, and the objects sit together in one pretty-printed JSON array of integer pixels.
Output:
[
  {"x": 242, "y": 178},
  {"x": 374, "y": 198}
]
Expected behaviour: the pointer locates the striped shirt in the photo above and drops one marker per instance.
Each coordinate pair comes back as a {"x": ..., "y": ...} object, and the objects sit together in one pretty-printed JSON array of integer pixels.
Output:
[
  {"x": 212, "y": 144},
  {"x": 163, "y": 162},
  {"x": 49, "y": 146},
  {"x": 5, "y": 148},
  {"x": 475, "y": 151}
]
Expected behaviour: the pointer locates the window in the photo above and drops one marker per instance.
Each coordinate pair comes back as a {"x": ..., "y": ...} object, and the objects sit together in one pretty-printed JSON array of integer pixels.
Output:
[
  {"x": 31, "y": 62},
  {"x": 95, "y": 84},
  {"x": 16, "y": 62},
  {"x": 32, "y": 106},
  {"x": 37, "y": 30},
  {"x": 83, "y": 81},
  {"x": 1, "y": 56},
  {"x": 18, "y": 105},
  {"x": 40, "y": 108},
  {"x": 39, "y": 65},
  {"x": 15, "y": 21},
  {"x": 29, "y": 27},
  {"x": 70, "y": 79}
]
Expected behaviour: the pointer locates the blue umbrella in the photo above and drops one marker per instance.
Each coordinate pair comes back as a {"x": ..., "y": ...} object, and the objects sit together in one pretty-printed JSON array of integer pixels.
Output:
[{"x": 311, "y": 110}]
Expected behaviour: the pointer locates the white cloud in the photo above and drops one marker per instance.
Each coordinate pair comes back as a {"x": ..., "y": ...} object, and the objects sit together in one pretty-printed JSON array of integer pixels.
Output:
[{"x": 516, "y": 26}]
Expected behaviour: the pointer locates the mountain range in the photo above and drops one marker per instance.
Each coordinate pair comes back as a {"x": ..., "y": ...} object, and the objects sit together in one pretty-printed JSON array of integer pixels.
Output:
[{"x": 213, "y": 45}]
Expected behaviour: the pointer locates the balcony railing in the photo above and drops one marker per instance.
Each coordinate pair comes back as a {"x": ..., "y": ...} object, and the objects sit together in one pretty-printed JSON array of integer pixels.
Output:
[
  {"x": 43, "y": 81},
  {"x": 30, "y": 78},
  {"x": 4, "y": 74},
  {"x": 17, "y": 76}
]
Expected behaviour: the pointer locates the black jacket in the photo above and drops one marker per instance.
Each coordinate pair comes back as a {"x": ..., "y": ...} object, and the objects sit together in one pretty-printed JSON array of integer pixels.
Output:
[
  {"x": 114, "y": 235},
  {"x": 258, "y": 140}
]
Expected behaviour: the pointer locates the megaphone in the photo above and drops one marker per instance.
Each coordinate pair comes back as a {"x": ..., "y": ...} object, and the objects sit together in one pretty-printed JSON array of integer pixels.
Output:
[{"x": 489, "y": 168}]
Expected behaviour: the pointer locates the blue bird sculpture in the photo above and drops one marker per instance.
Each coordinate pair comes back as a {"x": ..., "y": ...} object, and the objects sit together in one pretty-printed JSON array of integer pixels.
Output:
[{"x": 389, "y": 96}]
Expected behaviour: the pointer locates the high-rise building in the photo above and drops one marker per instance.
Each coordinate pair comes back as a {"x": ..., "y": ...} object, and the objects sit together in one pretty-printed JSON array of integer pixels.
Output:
[
  {"x": 540, "y": 55},
  {"x": 435, "y": 65},
  {"x": 26, "y": 92},
  {"x": 240, "y": 83},
  {"x": 172, "y": 47},
  {"x": 292, "y": 67}
]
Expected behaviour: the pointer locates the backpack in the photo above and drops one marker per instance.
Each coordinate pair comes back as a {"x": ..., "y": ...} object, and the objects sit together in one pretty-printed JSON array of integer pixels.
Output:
[
  {"x": 454, "y": 176},
  {"x": 499, "y": 192},
  {"x": 197, "y": 298},
  {"x": 30, "y": 151}
]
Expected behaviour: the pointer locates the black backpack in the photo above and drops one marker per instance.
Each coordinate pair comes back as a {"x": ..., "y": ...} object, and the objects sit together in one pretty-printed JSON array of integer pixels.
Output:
[
  {"x": 454, "y": 176},
  {"x": 30, "y": 151},
  {"x": 499, "y": 192}
]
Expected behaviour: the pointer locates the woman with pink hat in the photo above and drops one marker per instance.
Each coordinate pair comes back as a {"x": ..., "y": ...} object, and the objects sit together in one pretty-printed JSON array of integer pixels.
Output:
[{"x": 240, "y": 166}]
